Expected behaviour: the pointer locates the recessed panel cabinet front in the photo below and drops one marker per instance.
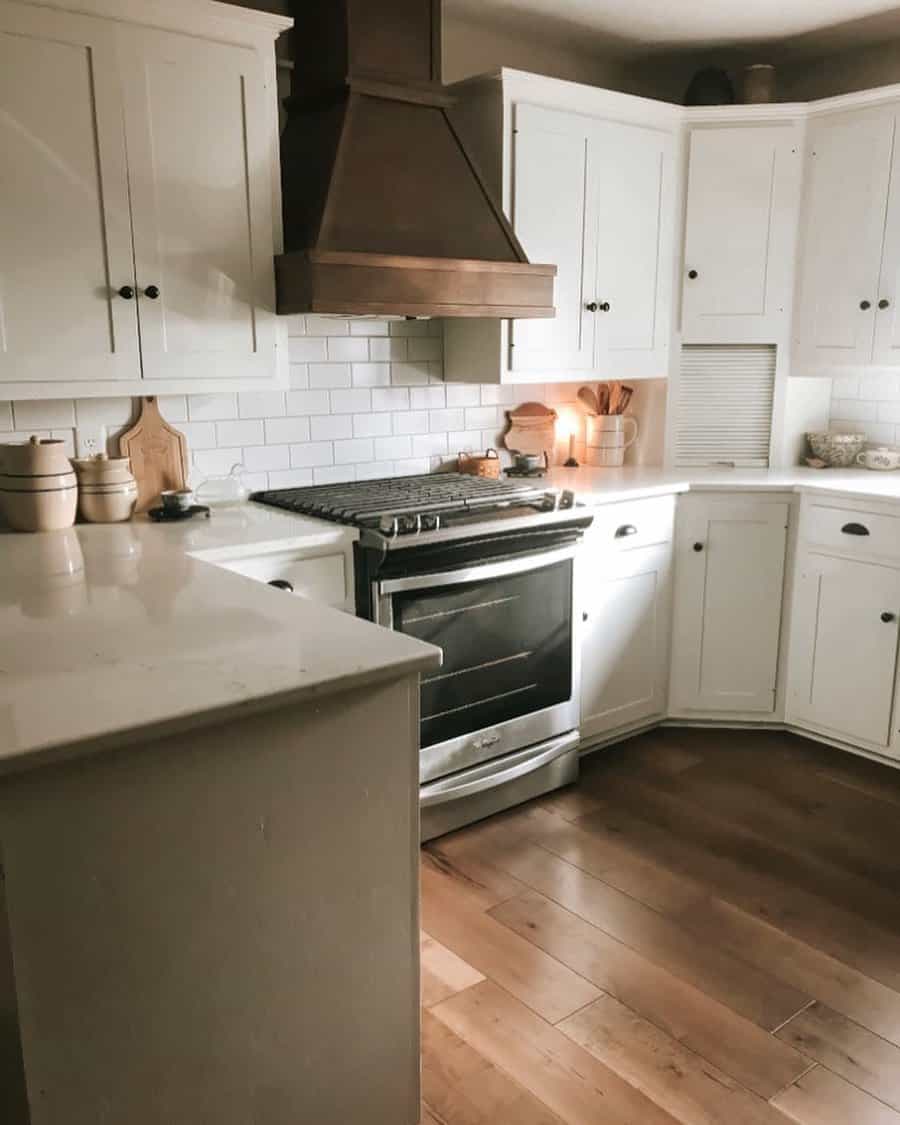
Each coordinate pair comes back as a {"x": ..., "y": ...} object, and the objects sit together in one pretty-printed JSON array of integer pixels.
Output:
[
  {"x": 65, "y": 225},
  {"x": 198, "y": 161},
  {"x": 729, "y": 576},
  {"x": 844, "y": 648}
]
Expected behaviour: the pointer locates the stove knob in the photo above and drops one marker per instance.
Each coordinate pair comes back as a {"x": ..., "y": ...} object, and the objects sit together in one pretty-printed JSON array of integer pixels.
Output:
[
  {"x": 387, "y": 525},
  {"x": 567, "y": 498},
  {"x": 408, "y": 525},
  {"x": 431, "y": 521}
]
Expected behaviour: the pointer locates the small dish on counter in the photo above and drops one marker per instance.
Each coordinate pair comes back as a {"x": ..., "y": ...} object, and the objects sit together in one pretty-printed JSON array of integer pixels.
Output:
[
  {"x": 881, "y": 459},
  {"x": 175, "y": 515}
]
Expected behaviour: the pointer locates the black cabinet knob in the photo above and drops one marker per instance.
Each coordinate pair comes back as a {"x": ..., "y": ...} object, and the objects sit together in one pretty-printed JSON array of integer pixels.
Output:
[
  {"x": 584, "y": 617},
  {"x": 693, "y": 275},
  {"x": 698, "y": 546},
  {"x": 605, "y": 306},
  {"x": 282, "y": 584},
  {"x": 126, "y": 293},
  {"x": 865, "y": 305},
  {"x": 625, "y": 530},
  {"x": 592, "y": 306},
  {"x": 884, "y": 303},
  {"x": 152, "y": 291},
  {"x": 887, "y": 618}
]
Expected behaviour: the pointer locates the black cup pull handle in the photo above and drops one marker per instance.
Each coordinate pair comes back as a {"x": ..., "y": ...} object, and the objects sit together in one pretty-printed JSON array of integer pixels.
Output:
[
  {"x": 625, "y": 530},
  {"x": 855, "y": 529},
  {"x": 282, "y": 584}
]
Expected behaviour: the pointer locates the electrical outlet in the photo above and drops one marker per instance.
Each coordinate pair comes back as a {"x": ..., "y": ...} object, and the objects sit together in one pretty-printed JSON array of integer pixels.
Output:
[{"x": 90, "y": 440}]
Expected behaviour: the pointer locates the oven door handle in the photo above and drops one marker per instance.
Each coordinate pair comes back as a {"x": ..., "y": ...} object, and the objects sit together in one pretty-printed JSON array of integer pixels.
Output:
[
  {"x": 488, "y": 776},
  {"x": 535, "y": 561}
]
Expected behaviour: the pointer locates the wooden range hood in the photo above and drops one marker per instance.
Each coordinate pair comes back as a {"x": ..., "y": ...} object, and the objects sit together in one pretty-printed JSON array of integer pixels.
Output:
[{"x": 384, "y": 211}]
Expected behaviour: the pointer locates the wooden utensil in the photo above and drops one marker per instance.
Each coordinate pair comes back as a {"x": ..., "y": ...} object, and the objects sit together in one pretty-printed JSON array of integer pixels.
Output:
[
  {"x": 624, "y": 399},
  {"x": 615, "y": 390},
  {"x": 588, "y": 399},
  {"x": 603, "y": 398},
  {"x": 158, "y": 452}
]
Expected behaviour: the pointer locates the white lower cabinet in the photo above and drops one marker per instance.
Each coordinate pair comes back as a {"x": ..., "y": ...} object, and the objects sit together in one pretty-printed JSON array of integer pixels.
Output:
[
  {"x": 626, "y": 603},
  {"x": 729, "y": 578},
  {"x": 843, "y": 663}
]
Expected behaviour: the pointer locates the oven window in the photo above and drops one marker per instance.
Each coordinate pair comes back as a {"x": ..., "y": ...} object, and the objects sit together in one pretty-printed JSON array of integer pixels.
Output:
[{"x": 507, "y": 648}]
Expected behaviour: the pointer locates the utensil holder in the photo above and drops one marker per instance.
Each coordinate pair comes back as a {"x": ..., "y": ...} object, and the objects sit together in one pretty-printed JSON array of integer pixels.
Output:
[{"x": 607, "y": 441}]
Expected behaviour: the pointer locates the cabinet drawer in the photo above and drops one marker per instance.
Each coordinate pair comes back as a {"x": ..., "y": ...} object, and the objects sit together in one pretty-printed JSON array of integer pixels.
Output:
[
  {"x": 852, "y": 531},
  {"x": 321, "y": 579},
  {"x": 634, "y": 523}
]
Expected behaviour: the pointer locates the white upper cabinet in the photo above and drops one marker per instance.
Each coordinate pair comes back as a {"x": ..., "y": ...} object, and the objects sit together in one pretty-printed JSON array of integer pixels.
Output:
[
  {"x": 138, "y": 233},
  {"x": 847, "y": 183},
  {"x": 65, "y": 227},
  {"x": 588, "y": 179},
  {"x": 743, "y": 197},
  {"x": 198, "y": 162},
  {"x": 551, "y": 161}
]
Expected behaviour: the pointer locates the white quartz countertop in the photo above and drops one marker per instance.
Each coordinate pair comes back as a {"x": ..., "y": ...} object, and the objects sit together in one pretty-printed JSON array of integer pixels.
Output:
[
  {"x": 606, "y": 486},
  {"x": 117, "y": 632}
]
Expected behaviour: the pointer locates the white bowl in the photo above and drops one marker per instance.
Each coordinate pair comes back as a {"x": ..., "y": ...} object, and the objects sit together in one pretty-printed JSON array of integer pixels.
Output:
[{"x": 839, "y": 450}]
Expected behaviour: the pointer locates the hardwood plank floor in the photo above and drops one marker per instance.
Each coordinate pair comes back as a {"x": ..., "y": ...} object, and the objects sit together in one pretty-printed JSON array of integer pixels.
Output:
[{"x": 705, "y": 929}]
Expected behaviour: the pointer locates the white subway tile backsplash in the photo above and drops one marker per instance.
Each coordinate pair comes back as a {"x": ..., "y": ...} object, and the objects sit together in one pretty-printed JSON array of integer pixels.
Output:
[
  {"x": 265, "y": 458},
  {"x": 311, "y": 454},
  {"x": 855, "y": 410},
  {"x": 329, "y": 427},
  {"x": 44, "y": 414},
  {"x": 410, "y": 422},
  {"x": 366, "y": 399},
  {"x": 329, "y": 375},
  {"x": 307, "y": 349},
  {"x": 371, "y": 374},
  {"x": 868, "y": 401},
  {"x": 212, "y": 408},
  {"x": 463, "y": 394},
  {"x": 308, "y": 402},
  {"x": 357, "y": 449},
  {"x": 889, "y": 411},
  {"x": 261, "y": 404},
  {"x": 371, "y": 425},
  {"x": 427, "y": 398},
  {"x": 348, "y": 349},
  {"x": 286, "y": 431},
  {"x": 351, "y": 402},
  {"x": 389, "y": 448},
  {"x": 394, "y": 398},
  {"x": 875, "y": 388}
]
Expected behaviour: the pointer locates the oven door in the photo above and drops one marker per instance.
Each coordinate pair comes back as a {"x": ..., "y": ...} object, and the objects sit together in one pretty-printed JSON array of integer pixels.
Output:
[{"x": 511, "y": 672}]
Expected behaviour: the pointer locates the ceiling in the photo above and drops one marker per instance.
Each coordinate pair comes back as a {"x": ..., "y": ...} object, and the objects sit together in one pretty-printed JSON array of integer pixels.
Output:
[{"x": 632, "y": 25}]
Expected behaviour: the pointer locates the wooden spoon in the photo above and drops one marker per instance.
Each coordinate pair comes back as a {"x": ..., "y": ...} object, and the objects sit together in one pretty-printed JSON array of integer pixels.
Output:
[
  {"x": 624, "y": 399},
  {"x": 603, "y": 398},
  {"x": 588, "y": 399}
]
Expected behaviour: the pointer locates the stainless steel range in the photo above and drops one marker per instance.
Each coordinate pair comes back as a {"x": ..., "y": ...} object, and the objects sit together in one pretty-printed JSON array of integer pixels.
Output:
[{"x": 485, "y": 570}]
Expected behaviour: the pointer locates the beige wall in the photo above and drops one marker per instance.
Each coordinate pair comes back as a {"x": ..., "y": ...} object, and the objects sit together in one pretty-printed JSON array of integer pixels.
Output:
[{"x": 843, "y": 72}]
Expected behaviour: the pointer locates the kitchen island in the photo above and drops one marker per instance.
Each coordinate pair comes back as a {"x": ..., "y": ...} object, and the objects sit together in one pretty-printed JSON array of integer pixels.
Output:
[{"x": 209, "y": 834}]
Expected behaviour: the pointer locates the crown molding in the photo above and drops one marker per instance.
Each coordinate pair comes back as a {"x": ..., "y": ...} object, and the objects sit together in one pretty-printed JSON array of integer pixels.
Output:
[{"x": 192, "y": 16}]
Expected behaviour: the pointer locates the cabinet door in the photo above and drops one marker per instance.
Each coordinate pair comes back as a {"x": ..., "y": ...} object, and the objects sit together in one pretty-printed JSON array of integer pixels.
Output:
[
  {"x": 887, "y": 322},
  {"x": 742, "y": 207},
  {"x": 729, "y": 575},
  {"x": 554, "y": 220},
  {"x": 848, "y": 168},
  {"x": 197, "y": 124},
  {"x": 635, "y": 224},
  {"x": 625, "y": 643},
  {"x": 843, "y": 654},
  {"x": 65, "y": 227}
]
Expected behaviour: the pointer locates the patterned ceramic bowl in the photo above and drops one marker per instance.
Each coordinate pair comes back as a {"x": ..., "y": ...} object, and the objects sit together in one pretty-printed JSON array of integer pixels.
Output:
[{"x": 837, "y": 450}]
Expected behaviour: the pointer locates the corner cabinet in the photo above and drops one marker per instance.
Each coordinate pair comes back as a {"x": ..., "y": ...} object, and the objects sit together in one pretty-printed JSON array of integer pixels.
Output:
[
  {"x": 849, "y": 274},
  {"x": 587, "y": 178},
  {"x": 138, "y": 233},
  {"x": 729, "y": 578},
  {"x": 743, "y": 200}
]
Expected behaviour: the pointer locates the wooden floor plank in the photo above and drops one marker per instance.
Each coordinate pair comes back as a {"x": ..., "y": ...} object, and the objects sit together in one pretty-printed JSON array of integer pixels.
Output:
[
  {"x": 847, "y": 1049},
  {"x": 841, "y": 987},
  {"x": 730, "y": 1042},
  {"x": 750, "y": 876},
  {"x": 543, "y": 983},
  {"x": 569, "y": 803},
  {"x": 562, "y": 1075},
  {"x": 823, "y": 1098},
  {"x": 460, "y": 1086},
  {"x": 736, "y": 983},
  {"x": 428, "y": 1118},
  {"x": 690, "y": 1088},
  {"x": 482, "y": 884},
  {"x": 443, "y": 973}
]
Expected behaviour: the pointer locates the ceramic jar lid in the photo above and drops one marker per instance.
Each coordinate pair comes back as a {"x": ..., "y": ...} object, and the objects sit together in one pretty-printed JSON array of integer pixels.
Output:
[
  {"x": 35, "y": 457},
  {"x": 104, "y": 470}
]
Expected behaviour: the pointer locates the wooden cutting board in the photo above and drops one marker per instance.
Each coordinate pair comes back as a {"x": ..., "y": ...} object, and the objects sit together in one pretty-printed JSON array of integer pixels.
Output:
[
  {"x": 158, "y": 452},
  {"x": 532, "y": 429}
]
